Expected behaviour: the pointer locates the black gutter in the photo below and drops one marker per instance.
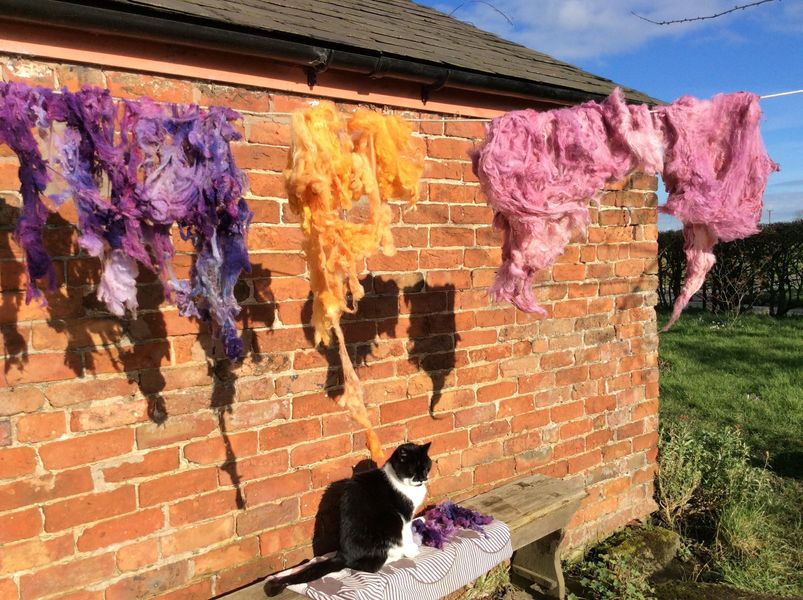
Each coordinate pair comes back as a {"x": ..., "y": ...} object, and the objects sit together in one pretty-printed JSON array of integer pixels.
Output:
[{"x": 314, "y": 58}]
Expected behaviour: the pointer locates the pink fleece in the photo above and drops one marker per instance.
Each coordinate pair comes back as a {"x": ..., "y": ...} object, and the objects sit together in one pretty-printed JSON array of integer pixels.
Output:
[
  {"x": 539, "y": 170},
  {"x": 715, "y": 171}
]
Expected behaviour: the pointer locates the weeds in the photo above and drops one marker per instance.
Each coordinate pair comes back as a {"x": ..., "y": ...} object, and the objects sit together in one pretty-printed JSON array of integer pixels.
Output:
[
  {"x": 708, "y": 490},
  {"x": 607, "y": 577}
]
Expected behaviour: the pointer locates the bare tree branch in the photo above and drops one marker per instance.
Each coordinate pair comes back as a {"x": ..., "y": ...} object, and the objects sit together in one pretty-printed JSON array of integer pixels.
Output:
[
  {"x": 486, "y": 4},
  {"x": 704, "y": 18}
]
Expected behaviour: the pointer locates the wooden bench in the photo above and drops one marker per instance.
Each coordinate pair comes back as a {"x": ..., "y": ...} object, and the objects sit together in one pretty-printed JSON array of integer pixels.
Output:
[{"x": 536, "y": 509}]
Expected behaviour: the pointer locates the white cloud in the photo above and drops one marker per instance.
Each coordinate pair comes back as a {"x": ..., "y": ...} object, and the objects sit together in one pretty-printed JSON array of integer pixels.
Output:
[{"x": 580, "y": 29}]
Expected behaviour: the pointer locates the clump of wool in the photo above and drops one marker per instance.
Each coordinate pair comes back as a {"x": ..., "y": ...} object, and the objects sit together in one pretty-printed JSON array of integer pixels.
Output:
[
  {"x": 538, "y": 171},
  {"x": 440, "y": 523},
  {"x": 335, "y": 161},
  {"x": 134, "y": 170},
  {"x": 715, "y": 172}
]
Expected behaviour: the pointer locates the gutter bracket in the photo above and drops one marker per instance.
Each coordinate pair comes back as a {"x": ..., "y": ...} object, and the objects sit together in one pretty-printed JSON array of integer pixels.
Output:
[
  {"x": 319, "y": 65},
  {"x": 380, "y": 67},
  {"x": 436, "y": 85}
]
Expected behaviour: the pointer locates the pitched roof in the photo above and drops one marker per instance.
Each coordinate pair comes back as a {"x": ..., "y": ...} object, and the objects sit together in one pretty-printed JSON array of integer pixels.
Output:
[{"x": 392, "y": 28}]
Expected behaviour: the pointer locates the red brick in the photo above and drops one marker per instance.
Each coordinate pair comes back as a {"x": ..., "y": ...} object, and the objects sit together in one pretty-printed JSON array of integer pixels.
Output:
[
  {"x": 200, "y": 589},
  {"x": 135, "y": 556},
  {"x": 568, "y": 448},
  {"x": 489, "y": 431},
  {"x": 312, "y": 452},
  {"x": 278, "y": 540},
  {"x": 485, "y": 453},
  {"x": 567, "y": 412},
  {"x": 575, "y": 428},
  {"x": 614, "y": 451},
  {"x": 177, "y": 485},
  {"x": 148, "y": 464},
  {"x": 584, "y": 461},
  {"x": 122, "y": 529},
  {"x": 248, "y": 415},
  {"x": 175, "y": 429},
  {"x": 256, "y": 467},
  {"x": 89, "y": 508},
  {"x": 531, "y": 420},
  {"x": 150, "y": 583},
  {"x": 452, "y": 193},
  {"x": 447, "y": 486},
  {"x": 20, "y": 525},
  {"x": 598, "y": 404},
  {"x": 391, "y": 412},
  {"x": 61, "y": 578},
  {"x": 630, "y": 430},
  {"x": 471, "y": 215},
  {"x": 203, "y": 507},
  {"x": 267, "y": 516},
  {"x": 34, "y": 553},
  {"x": 197, "y": 536},
  {"x": 598, "y": 438},
  {"x": 8, "y": 589},
  {"x": 232, "y": 579},
  {"x": 495, "y": 471},
  {"x": 237, "y": 553},
  {"x": 466, "y": 129},
  {"x": 503, "y": 389},
  {"x": 76, "y": 392},
  {"x": 17, "y": 462},
  {"x": 571, "y": 376},
  {"x": 222, "y": 449},
  {"x": 109, "y": 415},
  {"x": 86, "y": 449},
  {"x": 40, "y": 427},
  {"x": 427, "y": 214},
  {"x": 21, "y": 400},
  {"x": 275, "y": 488},
  {"x": 42, "y": 489},
  {"x": 268, "y": 132},
  {"x": 237, "y": 98},
  {"x": 448, "y": 148},
  {"x": 40, "y": 368}
]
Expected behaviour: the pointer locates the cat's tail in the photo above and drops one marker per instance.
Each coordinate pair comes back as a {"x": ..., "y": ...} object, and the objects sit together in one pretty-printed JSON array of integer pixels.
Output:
[{"x": 303, "y": 574}]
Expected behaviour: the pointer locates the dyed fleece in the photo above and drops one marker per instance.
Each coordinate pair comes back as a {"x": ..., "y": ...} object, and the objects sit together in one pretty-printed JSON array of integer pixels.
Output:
[
  {"x": 135, "y": 169},
  {"x": 540, "y": 169},
  {"x": 342, "y": 171}
]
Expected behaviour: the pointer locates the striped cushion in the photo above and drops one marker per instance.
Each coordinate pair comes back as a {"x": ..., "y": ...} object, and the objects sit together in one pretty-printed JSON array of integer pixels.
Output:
[{"x": 430, "y": 576}]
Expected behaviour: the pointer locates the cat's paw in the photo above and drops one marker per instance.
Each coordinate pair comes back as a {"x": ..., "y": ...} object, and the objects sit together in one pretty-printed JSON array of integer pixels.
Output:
[{"x": 411, "y": 551}]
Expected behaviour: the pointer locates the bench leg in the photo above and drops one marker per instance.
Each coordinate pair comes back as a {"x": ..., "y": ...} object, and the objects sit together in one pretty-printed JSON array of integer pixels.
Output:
[{"x": 540, "y": 562}]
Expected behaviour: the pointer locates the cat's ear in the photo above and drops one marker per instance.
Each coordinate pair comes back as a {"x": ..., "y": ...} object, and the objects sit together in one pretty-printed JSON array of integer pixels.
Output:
[{"x": 425, "y": 447}]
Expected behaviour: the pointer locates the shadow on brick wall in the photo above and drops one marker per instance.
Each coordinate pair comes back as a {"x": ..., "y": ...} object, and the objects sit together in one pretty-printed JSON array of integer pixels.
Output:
[
  {"x": 15, "y": 346},
  {"x": 377, "y": 314},
  {"x": 93, "y": 341},
  {"x": 432, "y": 333},
  {"x": 326, "y": 534}
]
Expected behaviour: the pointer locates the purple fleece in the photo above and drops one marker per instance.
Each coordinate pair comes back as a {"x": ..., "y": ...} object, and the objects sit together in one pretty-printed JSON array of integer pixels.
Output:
[{"x": 134, "y": 170}]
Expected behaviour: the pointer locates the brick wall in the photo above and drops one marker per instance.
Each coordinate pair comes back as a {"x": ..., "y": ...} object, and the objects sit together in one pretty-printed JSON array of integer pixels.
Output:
[{"x": 96, "y": 495}]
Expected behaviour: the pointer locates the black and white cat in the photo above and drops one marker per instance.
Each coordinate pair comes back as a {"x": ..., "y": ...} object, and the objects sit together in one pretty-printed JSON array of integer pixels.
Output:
[{"x": 376, "y": 509}]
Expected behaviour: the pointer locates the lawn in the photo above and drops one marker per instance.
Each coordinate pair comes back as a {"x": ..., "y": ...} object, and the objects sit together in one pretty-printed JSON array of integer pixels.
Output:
[{"x": 747, "y": 373}]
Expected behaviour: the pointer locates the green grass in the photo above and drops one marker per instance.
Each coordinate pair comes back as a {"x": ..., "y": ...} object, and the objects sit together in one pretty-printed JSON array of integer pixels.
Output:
[
  {"x": 718, "y": 374},
  {"x": 747, "y": 373}
]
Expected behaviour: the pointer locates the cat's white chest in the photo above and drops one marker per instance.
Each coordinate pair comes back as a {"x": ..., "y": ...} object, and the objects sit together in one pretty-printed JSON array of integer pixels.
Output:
[{"x": 414, "y": 493}]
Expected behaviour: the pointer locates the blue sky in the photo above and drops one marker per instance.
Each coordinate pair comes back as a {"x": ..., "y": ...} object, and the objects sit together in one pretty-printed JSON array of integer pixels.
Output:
[{"x": 759, "y": 49}]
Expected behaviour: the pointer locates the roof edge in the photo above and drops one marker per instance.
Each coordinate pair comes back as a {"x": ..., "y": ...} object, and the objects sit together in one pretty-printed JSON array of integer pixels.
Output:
[{"x": 313, "y": 57}]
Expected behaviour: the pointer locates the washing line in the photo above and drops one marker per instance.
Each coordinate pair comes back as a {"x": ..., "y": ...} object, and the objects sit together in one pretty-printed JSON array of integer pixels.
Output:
[{"x": 271, "y": 113}]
